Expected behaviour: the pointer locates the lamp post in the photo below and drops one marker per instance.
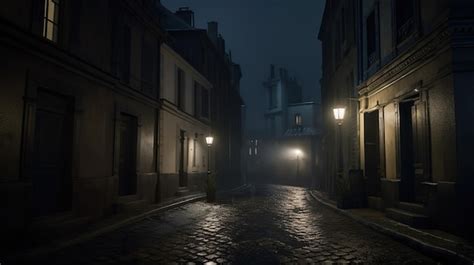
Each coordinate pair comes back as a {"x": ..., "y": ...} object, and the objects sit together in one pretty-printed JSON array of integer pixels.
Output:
[
  {"x": 209, "y": 141},
  {"x": 211, "y": 185},
  {"x": 339, "y": 113},
  {"x": 298, "y": 154}
]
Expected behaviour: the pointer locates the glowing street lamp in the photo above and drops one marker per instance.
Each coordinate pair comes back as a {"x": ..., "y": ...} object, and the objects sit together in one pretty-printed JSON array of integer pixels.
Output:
[
  {"x": 339, "y": 114},
  {"x": 211, "y": 190},
  {"x": 209, "y": 140}
]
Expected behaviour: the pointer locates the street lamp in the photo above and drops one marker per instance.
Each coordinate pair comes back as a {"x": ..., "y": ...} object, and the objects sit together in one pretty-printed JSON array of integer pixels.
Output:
[
  {"x": 209, "y": 141},
  {"x": 211, "y": 185},
  {"x": 339, "y": 113}
]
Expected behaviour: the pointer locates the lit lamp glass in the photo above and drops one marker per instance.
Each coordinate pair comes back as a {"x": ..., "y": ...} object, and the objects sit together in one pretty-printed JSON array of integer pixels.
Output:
[
  {"x": 298, "y": 152},
  {"x": 209, "y": 140},
  {"x": 339, "y": 114}
]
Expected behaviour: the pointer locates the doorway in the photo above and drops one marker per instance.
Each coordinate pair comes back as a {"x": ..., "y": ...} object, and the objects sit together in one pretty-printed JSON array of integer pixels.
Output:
[
  {"x": 52, "y": 155},
  {"x": 128, "y": 155},
  {"x": 183, "y": 178},
  {"x": 414, "y": 149},
  {"x": 372, "y": 152},
  {"x": 407, "y": 178}
]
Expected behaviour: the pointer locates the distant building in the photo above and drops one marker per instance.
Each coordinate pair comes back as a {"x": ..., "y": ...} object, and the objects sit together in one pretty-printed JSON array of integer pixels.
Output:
[
  {"x": 412, "y": 70},
  {"x": 281, "y": 90},
  {"x": 185, "y": 123},
  {"x": 205, "y": 50},
  {"x": 286, "y": 151}
]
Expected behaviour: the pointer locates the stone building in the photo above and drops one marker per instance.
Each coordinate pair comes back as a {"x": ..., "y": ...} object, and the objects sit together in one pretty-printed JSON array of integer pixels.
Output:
[
  {"x": 79, "y": 111},
  {"x": 206, "y": 51},
  {"x": 338, "y": 89},
  {"x": 289, "y": 143},
  {"x": 414, "y": 73},
  {"x": 184, "y": 125}
]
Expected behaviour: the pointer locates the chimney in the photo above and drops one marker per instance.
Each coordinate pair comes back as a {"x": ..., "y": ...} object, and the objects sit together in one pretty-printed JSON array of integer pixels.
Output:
[
  {"x": 272, "y": 71},
  {"x": 186, "y": 14},
  {"x": 221, "y": 44},
  {"x": 282, "y": 73},
  {"x": 212, "y": 31}
]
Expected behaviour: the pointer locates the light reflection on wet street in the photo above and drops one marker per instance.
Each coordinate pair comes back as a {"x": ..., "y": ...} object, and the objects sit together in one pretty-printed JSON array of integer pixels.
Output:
[{"x": 274, "y": 224}]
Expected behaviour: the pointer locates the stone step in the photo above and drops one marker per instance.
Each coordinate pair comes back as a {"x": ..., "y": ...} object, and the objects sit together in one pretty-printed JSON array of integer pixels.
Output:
[
  {"x": 131, "y": 206},
  {"x": 408, "y": 218},
  {"x": 182, "y": 191},
  {"x": 412, "y": 207},
  {"x": 375, "y": 203}
]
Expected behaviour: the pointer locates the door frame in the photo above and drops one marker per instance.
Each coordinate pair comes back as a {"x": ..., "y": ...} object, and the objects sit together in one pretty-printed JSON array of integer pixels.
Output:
[
  {"x": 40, "y": 81},
  {"x": 417, "y": 94},
  {"x": 120, "y": 108}
]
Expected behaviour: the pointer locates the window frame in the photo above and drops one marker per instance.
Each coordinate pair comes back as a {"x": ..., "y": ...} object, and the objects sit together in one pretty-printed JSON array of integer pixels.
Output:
[{"x": 54, "y": 20}]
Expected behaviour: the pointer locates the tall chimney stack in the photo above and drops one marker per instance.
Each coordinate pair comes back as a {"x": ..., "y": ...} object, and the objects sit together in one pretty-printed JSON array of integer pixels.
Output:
[
  {"x": 212, "y": 31},
  {"x": 187, "y": 15}
]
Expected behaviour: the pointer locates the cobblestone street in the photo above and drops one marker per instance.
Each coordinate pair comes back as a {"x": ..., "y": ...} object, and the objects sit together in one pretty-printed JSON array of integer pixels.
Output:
[{"x": 274, "y": 225}]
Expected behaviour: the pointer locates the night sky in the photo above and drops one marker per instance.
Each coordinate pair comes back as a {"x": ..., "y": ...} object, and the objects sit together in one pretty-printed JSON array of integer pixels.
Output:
[{"x": 262, "y": 32}]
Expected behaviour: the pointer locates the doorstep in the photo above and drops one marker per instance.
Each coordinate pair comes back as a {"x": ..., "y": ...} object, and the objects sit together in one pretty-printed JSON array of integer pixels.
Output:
[
  {"x": 432, "y": 242},
  {"x": 106, "y": 225}
]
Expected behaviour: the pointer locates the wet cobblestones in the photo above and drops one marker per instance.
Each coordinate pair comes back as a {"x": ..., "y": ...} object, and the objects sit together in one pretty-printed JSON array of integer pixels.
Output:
[{"x": 274, "y": 225}]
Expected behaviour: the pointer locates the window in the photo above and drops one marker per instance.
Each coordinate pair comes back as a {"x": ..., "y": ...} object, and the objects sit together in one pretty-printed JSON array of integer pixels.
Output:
[
  {"x": 196, "y": 99},
  {"x": 194, "y": 150},
  {"x": 371, "y": 39},
  {"x": 404, "y": 16},
  {"x": 272, "y": 98},
  {"x": 126, "y": 53},
  {"x": 298, "y": 119},
  {"x": 205, "y": 102},
  {"x": 51, "y": 20},
  {"x": 343, "y": 26},
  {"x": 147, "y": 66},
  {"x": 180, "y": 86}
]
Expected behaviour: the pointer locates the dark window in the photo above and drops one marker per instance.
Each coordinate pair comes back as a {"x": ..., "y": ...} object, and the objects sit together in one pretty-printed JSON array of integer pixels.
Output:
[
  {"x": 180, "y": 86},
  {"x": 343, "y": 26},
  {"x": 337, "y": 44},
  {"x": 371, "y": 39},
  {"x": 298, "y": 119},
  {"x": 194, "y": 149},
  {"x": 51, "y": 20},
  {"x": 205, "y": 102},
  {"x": 405, "y": 18},
  {"x": 147, "y": 67},
  {"x": 126, "y": 51},
  {"x": 196, "y": 99},
  {"x": 273, "y": 97}
]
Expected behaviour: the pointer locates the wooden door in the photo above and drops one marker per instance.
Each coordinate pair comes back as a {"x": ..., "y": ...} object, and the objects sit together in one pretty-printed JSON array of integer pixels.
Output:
[
  {"x": 51, "y": 174},
  {"x": 407, "y": 178},
  {"x": 372, "y": 152},
  {"x": 420, "y": 148},
  {"x": 128, "y": 155},
  {"x": 183, "y": 181}
]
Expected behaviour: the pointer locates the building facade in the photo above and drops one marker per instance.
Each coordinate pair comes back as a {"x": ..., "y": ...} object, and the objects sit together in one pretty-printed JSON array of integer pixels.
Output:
[
  {"x": 79, "y": 111},
  {"x": 414, "y": 61},
  {"x": 286, "y": 152},
  {"x": 338, "y": 33},
  {"x": 184, "y": 125},
  {"x": 280, "y": 91},
  {"x": 205, "y": 50}
]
